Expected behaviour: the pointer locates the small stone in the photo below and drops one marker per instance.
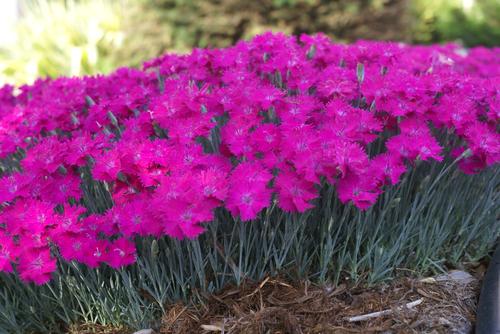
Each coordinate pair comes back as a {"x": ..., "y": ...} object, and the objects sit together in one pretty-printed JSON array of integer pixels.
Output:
[
  {"x": 456, "y": 276},
  {"x": 428, "y": 280},
  {"x": 144, "y": 331}
]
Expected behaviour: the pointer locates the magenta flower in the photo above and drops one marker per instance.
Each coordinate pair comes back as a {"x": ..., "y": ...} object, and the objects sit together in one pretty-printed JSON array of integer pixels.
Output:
[
  {"x": 71, "y": 246},
  {"x": 79, "y": 148},
  {"x": 14, "y": 185},
  {"x": 135, "y": 218},
  {"x": 36, "y": 265},
  {"x": 59, "y": 188},
  {"x": 121, "y": 253},
  {"x": 183, "y": 219},
  {"x": 361, "y": 190},
  {"x": 107, "y": 166},
  {"x": 484, "y": 141},
  {"x": 94, "y": 252},
  {"x": 248, "y": 191},
  {"x": 7, "y": 255},
  {"x": 338, "y": 82},
  {"x": 388, "y": 168},
  {"x": 265, "y": 138},
  {"x": 294, "y": 193},
  {"x": 47, "y": 156},
  {"x": 214, "y": 183}
]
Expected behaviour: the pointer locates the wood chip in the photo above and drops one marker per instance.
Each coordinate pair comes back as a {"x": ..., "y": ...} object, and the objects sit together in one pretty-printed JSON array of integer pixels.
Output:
[
  {"x": 382, "y": 313},
  {"x": 212, "y": 328}
]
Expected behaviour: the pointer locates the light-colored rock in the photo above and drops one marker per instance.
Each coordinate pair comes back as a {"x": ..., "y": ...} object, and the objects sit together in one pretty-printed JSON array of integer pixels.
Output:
[
  {"x": 144, "y": 331},
  {"x": 458, "y": 276}
]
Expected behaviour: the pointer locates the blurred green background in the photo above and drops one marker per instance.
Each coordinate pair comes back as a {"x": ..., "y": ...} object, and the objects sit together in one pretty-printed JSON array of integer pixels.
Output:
[{"x": 42, "y": 38}]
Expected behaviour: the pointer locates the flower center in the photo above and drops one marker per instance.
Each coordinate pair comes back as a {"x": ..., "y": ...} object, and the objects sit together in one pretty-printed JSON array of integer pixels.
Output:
[{"x": 247, "y": 198}]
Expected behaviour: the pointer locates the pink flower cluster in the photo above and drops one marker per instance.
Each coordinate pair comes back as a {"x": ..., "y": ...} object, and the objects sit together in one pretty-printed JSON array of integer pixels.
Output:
[{"x": 263, "y": 123}]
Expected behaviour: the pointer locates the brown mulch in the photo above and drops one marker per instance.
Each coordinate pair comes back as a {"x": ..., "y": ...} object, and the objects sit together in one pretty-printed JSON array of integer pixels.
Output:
[{"x": 277, "y": 306}]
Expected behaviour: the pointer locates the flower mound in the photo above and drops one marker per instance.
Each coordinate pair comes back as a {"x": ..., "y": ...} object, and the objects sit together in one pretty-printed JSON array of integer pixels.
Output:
[{"x": 266, "y": 122}]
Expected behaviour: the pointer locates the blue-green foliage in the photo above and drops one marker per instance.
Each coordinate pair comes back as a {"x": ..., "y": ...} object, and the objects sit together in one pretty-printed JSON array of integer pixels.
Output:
[{"x": 435, "y": 218}]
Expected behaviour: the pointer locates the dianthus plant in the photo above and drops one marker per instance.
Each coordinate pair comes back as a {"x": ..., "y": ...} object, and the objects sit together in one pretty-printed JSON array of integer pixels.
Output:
[{"x": 90, "y": 163}]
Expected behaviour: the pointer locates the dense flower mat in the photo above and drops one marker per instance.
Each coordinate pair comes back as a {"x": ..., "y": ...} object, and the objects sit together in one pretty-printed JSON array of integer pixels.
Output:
[{"x": 267, "y": 122}]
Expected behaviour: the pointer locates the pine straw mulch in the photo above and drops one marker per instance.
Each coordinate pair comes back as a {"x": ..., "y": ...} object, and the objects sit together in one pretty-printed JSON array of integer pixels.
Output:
[{"x": 277, "y": 306}]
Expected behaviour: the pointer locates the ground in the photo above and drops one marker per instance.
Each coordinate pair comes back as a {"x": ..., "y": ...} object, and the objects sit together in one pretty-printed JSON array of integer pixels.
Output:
[{"x": 444, "y": 304}]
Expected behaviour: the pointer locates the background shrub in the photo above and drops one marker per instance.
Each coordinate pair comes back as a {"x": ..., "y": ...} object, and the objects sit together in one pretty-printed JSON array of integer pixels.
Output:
[
  {"x": 54, "y": 38},
  {"x": 75, "y": 37}
]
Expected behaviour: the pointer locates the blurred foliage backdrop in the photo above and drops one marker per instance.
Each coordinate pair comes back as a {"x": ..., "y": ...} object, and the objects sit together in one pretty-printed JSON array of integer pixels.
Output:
[
  {"x": 62, "y": 38},
  {"x": 75, "y": 37}
]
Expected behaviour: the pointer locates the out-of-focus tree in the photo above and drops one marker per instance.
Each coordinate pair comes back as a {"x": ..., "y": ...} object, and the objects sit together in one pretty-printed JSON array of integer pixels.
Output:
[
  {"x": 222, "y": 22},
  {"x": 75, "y": 37},
  {"x": 71, "y": 37},
  {"x": 471, "y": 22}
]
